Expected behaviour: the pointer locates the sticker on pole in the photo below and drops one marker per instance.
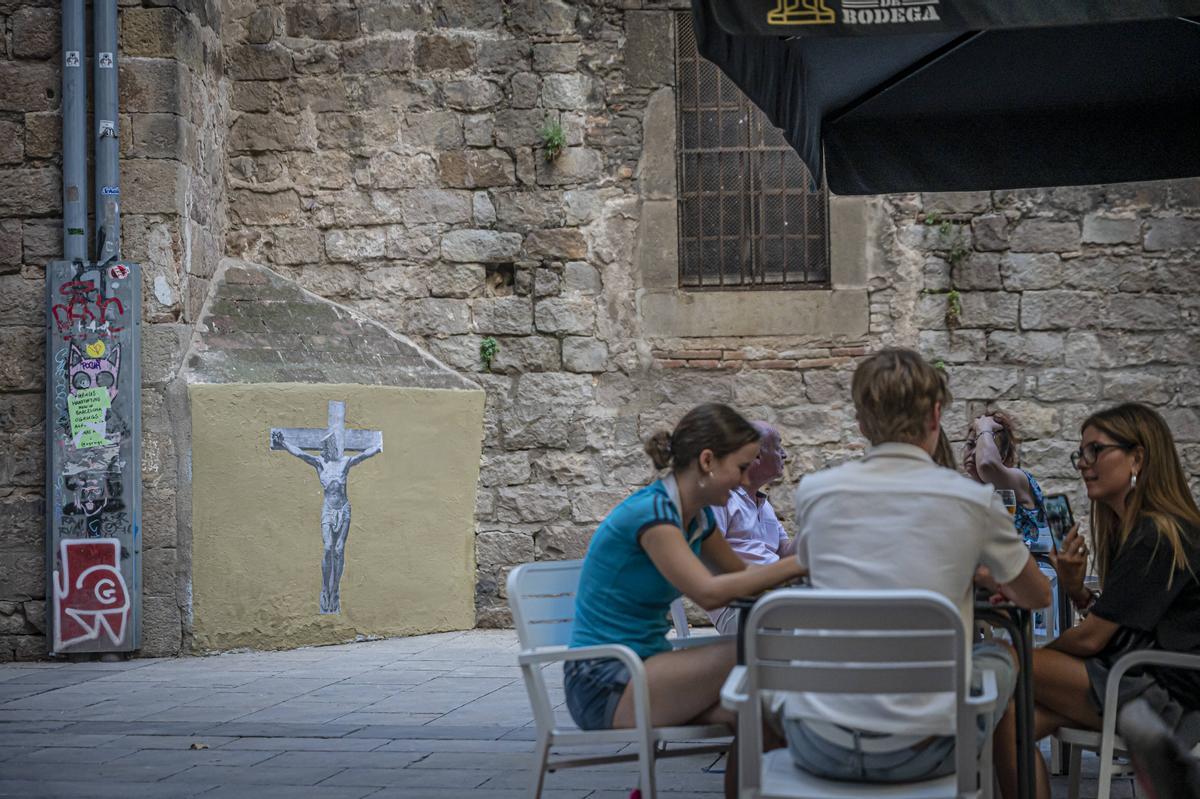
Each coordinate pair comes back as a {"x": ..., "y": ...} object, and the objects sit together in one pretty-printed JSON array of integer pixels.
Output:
[
  {"x": 110, "y": 191},
  {"x": 71, "y": 58},
  {"x": 118, "y": 271},
  {"x": 108, "y": 128},
  {"x": 105, "y": 60}
]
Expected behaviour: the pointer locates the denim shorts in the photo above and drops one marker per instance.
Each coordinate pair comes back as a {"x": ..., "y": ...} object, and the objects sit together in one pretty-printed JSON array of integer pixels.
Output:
[
  {"x": 593, "y": 688},
  {"x": 929, "y": 759}
]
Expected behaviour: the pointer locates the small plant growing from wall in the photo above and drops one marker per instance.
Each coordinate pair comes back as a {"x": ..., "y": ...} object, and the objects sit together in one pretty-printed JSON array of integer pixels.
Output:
[
  {"x": 953, "y": 309},
  {"x": 553, "y": 139},
  {"x": 487, "y": 351}
]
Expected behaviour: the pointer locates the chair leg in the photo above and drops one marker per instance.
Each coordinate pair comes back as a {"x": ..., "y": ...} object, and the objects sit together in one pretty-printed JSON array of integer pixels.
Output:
[
  {"x": 1075, "y": 765},
  {"x": 542, "y": 754},
  {"x": 646, "y": 762},
  {"x": 1104, "y": 781}
]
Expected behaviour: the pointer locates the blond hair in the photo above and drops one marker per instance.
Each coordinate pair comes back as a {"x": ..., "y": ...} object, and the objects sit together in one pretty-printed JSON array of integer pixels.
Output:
[
  {"x": 895, "y": 391},
  {"x": 1161, "y": 494}
]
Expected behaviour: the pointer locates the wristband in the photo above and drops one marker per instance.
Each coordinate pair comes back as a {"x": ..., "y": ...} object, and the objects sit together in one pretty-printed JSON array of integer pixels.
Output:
[{"x": 1084, "y": 607}]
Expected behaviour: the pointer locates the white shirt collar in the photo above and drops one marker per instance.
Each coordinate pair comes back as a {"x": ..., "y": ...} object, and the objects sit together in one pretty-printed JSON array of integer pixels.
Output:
[{"x": 897, "y": 449}]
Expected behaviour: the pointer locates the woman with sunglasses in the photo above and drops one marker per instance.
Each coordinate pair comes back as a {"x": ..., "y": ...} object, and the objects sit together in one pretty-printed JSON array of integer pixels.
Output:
[
  {"x": 1146, "y": 536},
  {"x": 990, "y": 456}
]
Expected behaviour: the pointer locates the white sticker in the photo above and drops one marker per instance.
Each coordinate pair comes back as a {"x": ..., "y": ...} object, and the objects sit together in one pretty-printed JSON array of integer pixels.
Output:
[
  {"x": 72, "y": 58},
  {"x": 107, "y": 128},
  {"x": 105, "y": 60}
]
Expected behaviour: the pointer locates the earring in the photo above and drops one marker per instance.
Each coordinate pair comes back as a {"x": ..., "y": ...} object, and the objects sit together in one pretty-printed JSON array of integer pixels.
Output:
[{"x": 1133, "y": 479}]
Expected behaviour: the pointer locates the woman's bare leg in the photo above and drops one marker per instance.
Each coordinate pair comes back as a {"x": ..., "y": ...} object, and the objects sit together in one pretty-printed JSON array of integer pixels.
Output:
[
  {"x": 685, "y": 687},
  {"x": 1061, "y": 686}
]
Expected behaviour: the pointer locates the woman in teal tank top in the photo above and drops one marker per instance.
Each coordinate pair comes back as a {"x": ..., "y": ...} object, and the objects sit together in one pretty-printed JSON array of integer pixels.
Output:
[{"x": 644, "y": 555}]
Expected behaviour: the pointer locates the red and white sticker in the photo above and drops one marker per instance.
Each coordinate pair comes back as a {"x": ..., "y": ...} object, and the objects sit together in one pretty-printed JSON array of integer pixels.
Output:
[{"x": 118, "y": 271}]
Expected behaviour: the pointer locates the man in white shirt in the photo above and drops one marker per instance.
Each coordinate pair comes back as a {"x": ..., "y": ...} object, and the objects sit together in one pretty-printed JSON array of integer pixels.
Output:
[
  {"x": 895, "y": 519},
  {"x": 748, "y": 521}
]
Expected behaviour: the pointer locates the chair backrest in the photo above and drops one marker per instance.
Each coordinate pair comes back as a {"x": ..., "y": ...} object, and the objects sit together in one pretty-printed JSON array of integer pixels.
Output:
[
  {"x": 542, "y": 599},
  {"x": 680, "y": 620},
  {"x": 860, "y": 642}
]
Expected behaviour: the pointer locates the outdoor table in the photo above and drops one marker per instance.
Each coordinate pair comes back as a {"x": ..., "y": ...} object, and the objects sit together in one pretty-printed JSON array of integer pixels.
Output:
[{"x": 1019, "y": 624}]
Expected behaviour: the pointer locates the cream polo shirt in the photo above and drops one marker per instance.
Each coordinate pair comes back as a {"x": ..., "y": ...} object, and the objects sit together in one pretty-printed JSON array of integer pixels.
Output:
[{"x": 897, "y": 520}]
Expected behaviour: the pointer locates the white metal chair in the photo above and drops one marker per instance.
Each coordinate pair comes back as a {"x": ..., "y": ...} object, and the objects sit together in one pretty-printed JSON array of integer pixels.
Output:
[
  {"x": 1106, "y": 742},
  {"x": 854, "y": 642},
  {"x": 542, "y": 599}
]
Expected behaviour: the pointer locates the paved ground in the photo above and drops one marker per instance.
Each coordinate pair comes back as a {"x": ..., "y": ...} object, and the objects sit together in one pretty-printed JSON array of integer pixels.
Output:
[{"x": 430, "y": 717}]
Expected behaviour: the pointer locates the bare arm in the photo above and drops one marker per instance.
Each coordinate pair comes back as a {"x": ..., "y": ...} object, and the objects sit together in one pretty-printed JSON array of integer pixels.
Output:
[
  {"x": 1087, "y": 638},
  {"x": 669, "y": 552},
  {"x": 717, "y": 553},
  {"x": 374, "y": 449},
  {"x": 991, "y": 467},
  {"x": 1030, "y": 589},
  {"x": 277, "y": 438}
]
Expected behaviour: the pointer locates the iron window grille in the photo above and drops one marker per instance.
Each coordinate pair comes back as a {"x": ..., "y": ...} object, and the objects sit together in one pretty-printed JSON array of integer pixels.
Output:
[{"x": 750, "y": 216}]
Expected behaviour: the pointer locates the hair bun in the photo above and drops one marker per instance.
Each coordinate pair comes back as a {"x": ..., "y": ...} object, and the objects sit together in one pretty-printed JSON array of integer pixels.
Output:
[{"x": 658, "y": 447}]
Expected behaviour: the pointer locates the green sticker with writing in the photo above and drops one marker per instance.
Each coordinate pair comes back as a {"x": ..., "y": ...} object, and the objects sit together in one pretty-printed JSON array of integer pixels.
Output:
[{"x": 88, "y": 408}]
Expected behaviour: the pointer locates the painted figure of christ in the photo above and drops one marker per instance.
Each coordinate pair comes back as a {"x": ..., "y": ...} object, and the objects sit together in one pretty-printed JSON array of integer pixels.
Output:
[{"x": 333, "y": 468}]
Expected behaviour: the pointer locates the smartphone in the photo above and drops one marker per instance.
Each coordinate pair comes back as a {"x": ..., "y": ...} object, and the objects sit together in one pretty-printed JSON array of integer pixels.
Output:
[{"x": 1058, "y": 515}]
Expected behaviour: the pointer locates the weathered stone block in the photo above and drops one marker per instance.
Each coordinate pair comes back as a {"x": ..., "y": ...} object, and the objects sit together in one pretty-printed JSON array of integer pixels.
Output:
[
  {"x": 827, "y": 385},
  {"x": 532, "y": 503},
  {"x": 473, "y": 169},
  {"x": 264, "y": 24},
  {"x": 41, "y": 240},
  {"x": 153, "y": 186},
  {"x": 30, "y": 191},
  {"x": 260, "y": 62},
  {"x": 353, "y": 246},
  {"x": 573, "y": 165},
  {"x": 517, "y": 128},
  {"x": 505, "y": 55},
  {"x": 43, "y": 135},
  {"x": 593, "y": 504},
  {"x": 570, "y": 91},
  {"x": 1106, "y": 229},
  {"x": 503, "y": 549},
  {"x": 983, "y": 382},
  {"x": 478, "y": 130},
  {"x": 162, "y": 136},
  {"x": 649, "y": 48},
  {"x": 378, "y": 56},
  {"x": 989, "y": 309},
  {"x": 393, "y": 171},
  {"x": 1170, "y": 234},
  {"x": 313, "y": 21},
  {"x": 990, "y": 232},
  {"x": 1142, "y": 312},
  {"x": 504, "y": 468},
  {"x": 956, "y": 202},
  {"x": 28, "y": 87},
  {"x": 565, "y": 315},
  {"x": 1044, "y": 235},
  {"x": 1135, "y": 386},
  {"x": 952, "y": 346},
  {"x": 979, "y": 271},
  {"x": 434, "y": 130},
  {"x": 471, "y": 94},
  {"x": 443, "y": 51},
  {"x": 410, "y": 245},
  {"x": 480, "y": 246},
  {"x": 161, "y": 33},
  {"x": 552, "y": 17},
  {"x": 582, "y": 278},
  {"x": 1032, "y": 348},
  {"x": 35, "y": 33},
  {"x": 468, "y": 14},
  {"x": 524, "y": 90},
  {"x": 1058, "y": 385},
  {"x": 162, "y": 626},
  {"x": 502, "y": 315},
  {"x": 434, "y": 206},
  {"x": 10, "y": 244},
  {"x": 584, "y": 354},
  {"x": 561, "y": 244},
  {"x": 1061, "y": 310},
  {"x": 546, "y": 282},
  {"x": 552, "y": 57},
  {"x": 432, "y": 316},
  {"x": 521, "y": 210},
  {"x": 258, "y": 208},
  {"x": 482, "y": 209},
  {"x": 769, "y": 388},
  {"x": 563, "y": 541},
  {"x": 812, "y": 426},
  {"x": 1025, "y": 271},
  {"x": 525, "y": 354},
  {"x": 152, "y": 84}
]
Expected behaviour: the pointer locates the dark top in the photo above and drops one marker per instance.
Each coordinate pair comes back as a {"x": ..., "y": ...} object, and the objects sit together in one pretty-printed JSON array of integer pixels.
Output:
[{"x": 1137, "y": 597}]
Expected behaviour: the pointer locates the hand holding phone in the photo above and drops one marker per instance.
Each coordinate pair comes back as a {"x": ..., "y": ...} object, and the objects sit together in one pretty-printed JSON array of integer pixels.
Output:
[{"x": 1058, "y": 515}]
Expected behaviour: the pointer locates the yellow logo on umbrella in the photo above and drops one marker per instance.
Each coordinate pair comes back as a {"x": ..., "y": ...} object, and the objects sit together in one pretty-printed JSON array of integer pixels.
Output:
[
  {"x": 801, "y": 12},
  {"x": 95, "y": 349}
]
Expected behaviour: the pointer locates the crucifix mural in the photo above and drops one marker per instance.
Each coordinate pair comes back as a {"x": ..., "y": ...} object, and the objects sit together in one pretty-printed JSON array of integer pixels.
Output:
[{"x": 333, "y": 467}]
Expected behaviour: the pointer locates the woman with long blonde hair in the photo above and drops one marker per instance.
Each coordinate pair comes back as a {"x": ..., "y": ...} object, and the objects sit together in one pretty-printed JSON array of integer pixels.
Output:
[{"x": 1146, "y": 535}]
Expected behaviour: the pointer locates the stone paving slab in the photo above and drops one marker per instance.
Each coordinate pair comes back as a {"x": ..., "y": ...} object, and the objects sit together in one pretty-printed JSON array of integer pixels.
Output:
[{"x": 429, "y": 717}]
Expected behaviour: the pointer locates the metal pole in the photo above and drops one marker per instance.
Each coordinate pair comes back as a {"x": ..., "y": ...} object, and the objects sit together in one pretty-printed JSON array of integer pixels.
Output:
[
  {"x": 74, "y": 101},
  {"x": 108, "y": 178}
]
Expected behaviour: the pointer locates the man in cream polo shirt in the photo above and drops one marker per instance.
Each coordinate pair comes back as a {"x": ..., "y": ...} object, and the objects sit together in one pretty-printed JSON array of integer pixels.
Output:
[{"x": 897, "y": 520}]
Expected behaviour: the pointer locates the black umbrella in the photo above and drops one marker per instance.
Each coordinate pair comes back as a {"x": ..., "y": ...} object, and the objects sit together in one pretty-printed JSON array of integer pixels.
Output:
[{"x": 956, "y": 95}]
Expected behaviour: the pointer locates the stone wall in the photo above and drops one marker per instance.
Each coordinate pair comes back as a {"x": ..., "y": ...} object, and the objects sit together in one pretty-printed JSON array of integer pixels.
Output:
[
  {"x": 390, "y": 157},
  {"x": 172, "y": 130}
]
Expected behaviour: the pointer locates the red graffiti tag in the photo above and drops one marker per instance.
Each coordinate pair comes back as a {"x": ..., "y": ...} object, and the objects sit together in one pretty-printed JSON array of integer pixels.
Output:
[
  {"x": 90, "y": 595},
  {"x": 85, "y": 307}
]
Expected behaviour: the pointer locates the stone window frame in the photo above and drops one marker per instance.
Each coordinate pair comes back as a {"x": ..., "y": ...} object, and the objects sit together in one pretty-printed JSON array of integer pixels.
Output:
[{"x": 668, "y": 311}]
